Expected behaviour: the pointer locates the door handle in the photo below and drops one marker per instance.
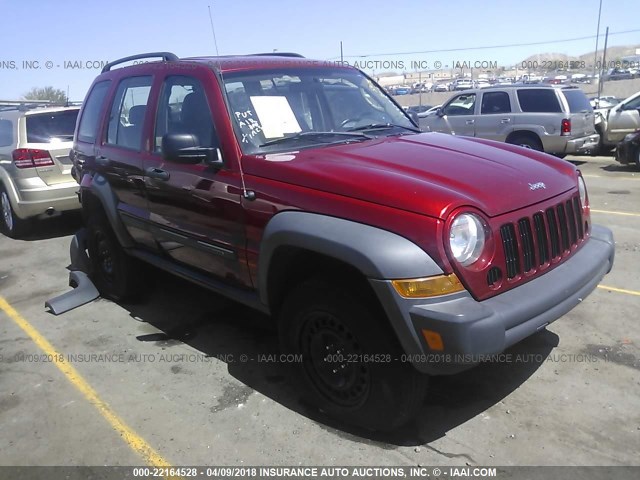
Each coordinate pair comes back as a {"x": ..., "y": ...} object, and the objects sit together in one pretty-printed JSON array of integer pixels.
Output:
[
  {"x": 102, "y": 161},
  {"x": 505, "y": 120},
  {"x": 157, "y": 173},
  {"x": 470, "y": 122}
]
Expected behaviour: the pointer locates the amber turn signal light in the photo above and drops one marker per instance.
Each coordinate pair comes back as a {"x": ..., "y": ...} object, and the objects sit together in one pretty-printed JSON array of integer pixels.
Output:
[
  {"x": 428, "y": 287},
  {"x": 434, "y": 340}
]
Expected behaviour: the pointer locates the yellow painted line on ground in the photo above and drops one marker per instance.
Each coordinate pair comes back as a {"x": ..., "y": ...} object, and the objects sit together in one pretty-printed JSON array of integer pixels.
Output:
[
  {"x": 620, "y": 290},
  {"x": 135, "y": 441},
  {"x": 629, "y": 214}
]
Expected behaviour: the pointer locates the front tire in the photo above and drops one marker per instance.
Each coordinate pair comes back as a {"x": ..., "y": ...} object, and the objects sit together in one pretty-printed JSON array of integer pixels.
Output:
[
  {"x": 115, "y": 274},
  {"x": 351, "y": 360},
  {"x": 10, "y": 224}
]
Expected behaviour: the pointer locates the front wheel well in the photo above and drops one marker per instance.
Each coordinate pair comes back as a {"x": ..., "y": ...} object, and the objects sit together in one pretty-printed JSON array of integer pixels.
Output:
[
  {"x": 90, "y": 204},
  {"x": 291, "y": 266}
]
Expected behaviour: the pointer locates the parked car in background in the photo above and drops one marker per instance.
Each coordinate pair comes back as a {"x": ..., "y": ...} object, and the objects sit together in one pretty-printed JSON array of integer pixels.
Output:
[
  {"x": 617, "y": 74},
  {"x": 441, "y": 87},
  {"x": 604, "y": 102},
  {"x": 420, "y": 110},
  {"x": 556, "y": 120},
  {"x": 462, "y": 84},
  {"x": 401, "y": 91},
  {"x": 618, "y": 121},
  {"x": 628, "y": 150},
  {"x": 35, "y": 169}
]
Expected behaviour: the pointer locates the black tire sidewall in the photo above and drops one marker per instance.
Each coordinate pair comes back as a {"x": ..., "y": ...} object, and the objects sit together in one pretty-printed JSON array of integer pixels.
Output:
[
  {"x": 115, "y": 288},
  {"x": 20, "y": 226},
  {"x": 529, "y": 142},
  {"x": 396, "y": 390}
]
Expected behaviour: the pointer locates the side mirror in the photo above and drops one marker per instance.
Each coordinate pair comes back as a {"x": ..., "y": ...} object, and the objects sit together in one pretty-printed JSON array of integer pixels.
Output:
[
  {"x": 440, "y": 112},
  {"x": 414, "y": 118},
  {"x": 184, "y": 148}
]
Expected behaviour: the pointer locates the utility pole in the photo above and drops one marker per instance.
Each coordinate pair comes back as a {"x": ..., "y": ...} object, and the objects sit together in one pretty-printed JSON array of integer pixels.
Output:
[
  {"x": 341, "y": 55},
  {"x": 604, "y": 63},
  {"x": 595, "y": 55}
]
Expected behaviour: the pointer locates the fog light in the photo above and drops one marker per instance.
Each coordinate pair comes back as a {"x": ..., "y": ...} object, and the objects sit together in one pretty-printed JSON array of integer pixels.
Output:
[{"x": 428, "y": 287}]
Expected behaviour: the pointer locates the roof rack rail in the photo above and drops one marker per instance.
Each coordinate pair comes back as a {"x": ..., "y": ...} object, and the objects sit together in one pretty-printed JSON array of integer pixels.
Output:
[
  {"x": 277, "y": 54},
  {"x": 24, "y": 105},
  {"x": 166, "y": 57}
]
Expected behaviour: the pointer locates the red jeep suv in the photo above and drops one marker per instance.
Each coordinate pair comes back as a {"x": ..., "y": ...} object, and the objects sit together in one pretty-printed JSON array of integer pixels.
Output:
[{"x": 300, "y": 188}]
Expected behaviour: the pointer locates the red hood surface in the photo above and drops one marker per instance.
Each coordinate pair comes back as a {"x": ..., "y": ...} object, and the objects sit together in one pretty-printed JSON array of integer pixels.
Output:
[{"x": 429, "y": 173}]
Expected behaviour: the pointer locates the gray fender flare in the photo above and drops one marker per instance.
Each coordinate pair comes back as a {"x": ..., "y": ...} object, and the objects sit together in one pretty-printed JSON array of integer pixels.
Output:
[
  {"x": 376, "y": 253},
  {"x": 101, "y": 189}
]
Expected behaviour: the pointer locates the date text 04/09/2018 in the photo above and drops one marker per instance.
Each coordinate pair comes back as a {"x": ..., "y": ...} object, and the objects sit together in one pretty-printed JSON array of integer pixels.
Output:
[{"x": 577, "y": 64}]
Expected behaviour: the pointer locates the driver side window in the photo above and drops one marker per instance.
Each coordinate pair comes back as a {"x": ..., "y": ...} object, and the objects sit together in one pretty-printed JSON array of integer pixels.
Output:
[
  {"x": 183, "y": 108},
  {"x": 464, "y": 104}
]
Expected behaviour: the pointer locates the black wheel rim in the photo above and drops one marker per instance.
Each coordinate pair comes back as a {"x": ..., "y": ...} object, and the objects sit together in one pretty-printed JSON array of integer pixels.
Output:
[
  {"x": 105, "y": 260},
  {"x": 332, "y": 360}
]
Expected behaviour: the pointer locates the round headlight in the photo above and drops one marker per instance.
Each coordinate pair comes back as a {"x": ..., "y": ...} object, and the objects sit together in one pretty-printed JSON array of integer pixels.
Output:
[
  {"x": 466, "y": 238},
  {"x": 582, "y": 188}
]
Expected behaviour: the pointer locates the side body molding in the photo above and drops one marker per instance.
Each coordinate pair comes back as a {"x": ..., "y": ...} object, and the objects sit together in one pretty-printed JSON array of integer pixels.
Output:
[
  {"x": 101, "y": 189},
  {"x": 376, "y": 253}
]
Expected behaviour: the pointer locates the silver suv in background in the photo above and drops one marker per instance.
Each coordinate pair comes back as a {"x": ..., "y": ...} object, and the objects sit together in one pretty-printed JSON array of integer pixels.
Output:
[
  {"x": 556, "y": 120},
  {"x": 35, "y": 169}
]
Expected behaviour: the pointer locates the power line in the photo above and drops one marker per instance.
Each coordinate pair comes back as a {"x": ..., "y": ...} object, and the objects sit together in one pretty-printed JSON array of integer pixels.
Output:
[{"x": 445, "y": 50}]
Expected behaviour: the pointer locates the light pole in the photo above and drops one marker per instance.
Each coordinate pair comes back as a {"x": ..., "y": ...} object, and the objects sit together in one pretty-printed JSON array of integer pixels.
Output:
[{"x": 595, "y": 55}]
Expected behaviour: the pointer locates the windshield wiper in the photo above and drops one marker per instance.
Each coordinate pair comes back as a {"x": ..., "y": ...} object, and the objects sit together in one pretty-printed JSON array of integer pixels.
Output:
[
  {"x": 302, "y": 135},
  {"x": 382, "y": 126}
]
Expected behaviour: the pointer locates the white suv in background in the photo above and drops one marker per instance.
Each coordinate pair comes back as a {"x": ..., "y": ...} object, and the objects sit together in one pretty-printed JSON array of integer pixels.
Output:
[{"x": 35, "y": 170}]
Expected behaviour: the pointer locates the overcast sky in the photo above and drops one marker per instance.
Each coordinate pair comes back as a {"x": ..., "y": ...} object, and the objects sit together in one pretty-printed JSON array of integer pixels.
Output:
[{"x": 79, "y": 31}]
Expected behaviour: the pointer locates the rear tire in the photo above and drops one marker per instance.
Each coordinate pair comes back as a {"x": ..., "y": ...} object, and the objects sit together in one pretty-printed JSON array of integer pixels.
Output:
[
  {"x": 115, "y": 274},
  {"x": 11, "y": 225},
  {"x": 526, "y": 141},
  {"x": 351, "y": 361}
]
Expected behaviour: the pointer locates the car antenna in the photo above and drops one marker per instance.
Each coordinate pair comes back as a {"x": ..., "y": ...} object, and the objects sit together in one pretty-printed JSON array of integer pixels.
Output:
[{"x": 246, "y": 194}]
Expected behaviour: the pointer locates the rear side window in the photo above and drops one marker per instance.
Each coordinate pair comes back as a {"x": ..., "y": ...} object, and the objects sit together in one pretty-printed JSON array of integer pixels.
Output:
[
  {"x": 6, "y": 133},
  {"x": 49, "y": 127},
  {"x": 539, "y": 100},
  {"x": 578, "y": 101},
  {"x": 495, "y": 102},
  {"x": 128, "y": 112},
  {"x": 88, "y": 129}
]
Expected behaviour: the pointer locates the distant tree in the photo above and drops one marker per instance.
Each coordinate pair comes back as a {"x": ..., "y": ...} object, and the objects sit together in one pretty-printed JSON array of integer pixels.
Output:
[{"x": 46, "y": 93}]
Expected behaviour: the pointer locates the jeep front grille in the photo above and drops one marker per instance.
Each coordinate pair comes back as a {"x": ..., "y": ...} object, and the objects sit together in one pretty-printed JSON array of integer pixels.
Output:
[{"x": 535, "y": 241}]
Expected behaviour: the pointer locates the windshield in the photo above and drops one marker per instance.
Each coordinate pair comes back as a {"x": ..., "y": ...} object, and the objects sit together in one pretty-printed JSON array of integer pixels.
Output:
[
  {"x": 288, "y": 109},
  {"x": 52, "y": 126}
]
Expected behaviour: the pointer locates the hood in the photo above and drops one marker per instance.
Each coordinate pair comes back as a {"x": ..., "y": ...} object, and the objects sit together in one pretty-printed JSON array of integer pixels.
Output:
[{"x": 429, "y": 173}]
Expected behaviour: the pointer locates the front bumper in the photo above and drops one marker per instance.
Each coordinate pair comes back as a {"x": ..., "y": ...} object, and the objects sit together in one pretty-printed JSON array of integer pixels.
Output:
[
  {"x": 583, "y": 144},
  {"x": 472, "y": 331}
]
